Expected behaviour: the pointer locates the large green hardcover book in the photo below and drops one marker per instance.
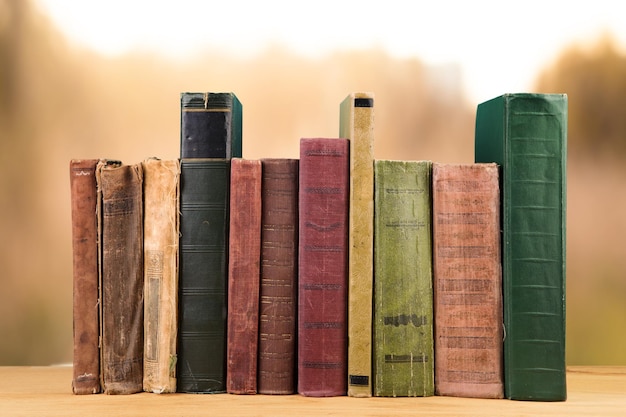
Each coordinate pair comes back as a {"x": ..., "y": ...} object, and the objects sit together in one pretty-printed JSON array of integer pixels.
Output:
[
  {"x": 210, "y": 125},
  {"x": 203, "y": 279},
  {"x": 526, "y": 134},
  {"x": 357, "y": 124},
  {"x": 403, "y": 292}
]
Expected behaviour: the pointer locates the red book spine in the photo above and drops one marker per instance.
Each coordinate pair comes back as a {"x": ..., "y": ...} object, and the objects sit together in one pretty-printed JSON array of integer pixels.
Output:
[
  {"x": 243, "y": 276},
  {"x": 322, "y": 288}
]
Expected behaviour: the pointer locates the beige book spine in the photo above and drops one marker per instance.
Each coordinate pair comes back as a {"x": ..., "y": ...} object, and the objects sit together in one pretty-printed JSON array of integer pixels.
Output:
[
  {"x": 161, "y": 196},
  {"x": 357, "y": 124}
]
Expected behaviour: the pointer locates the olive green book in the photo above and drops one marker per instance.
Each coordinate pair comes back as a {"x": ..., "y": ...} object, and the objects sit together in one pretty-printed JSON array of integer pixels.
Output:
[
  {"x": 357, "y": 124},
  {"x": 403, "y": 292},
  {"x": 526, "y": 134}
]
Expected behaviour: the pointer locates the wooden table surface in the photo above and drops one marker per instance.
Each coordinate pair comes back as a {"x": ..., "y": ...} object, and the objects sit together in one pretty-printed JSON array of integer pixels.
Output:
[{"x": 46, "y": 391}]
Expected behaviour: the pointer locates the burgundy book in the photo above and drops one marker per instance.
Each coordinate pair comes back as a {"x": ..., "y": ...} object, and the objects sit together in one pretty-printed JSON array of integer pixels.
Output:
[
  {"x": 243, "y": 276},
  {"x": 467, "y": 281},
  {"x": 86, "y": 365},
  {"x": 120, "y": 187},
  {"x": 322, "y": 288},
  {"x": 279, "y": 272}
]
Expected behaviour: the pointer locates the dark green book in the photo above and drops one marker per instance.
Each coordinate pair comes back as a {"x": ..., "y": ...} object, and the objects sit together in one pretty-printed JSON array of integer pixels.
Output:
[
  {"x": 203, "y": 279},
  {"x": 403, "y": 292},
  {"x": 526, "y": 134},
  {"x": 210, "y": 125}
]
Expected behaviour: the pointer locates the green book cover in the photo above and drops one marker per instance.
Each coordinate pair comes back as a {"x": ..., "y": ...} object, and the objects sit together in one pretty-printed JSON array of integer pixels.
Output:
[
  {"x": 357, "y": 124},
  {"x": 526, "y": 134},
  {"x": 403, "y": 293},
  {"x": 203, "y": 275}
]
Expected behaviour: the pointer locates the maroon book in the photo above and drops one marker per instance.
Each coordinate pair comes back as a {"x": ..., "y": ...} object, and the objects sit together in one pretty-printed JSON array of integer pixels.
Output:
[
  {"x": 279, "y": 272},
  {"x": 86, "y": 299},
  {"x": 243, "y": 276},
  {"x": 322, "y": 287}
]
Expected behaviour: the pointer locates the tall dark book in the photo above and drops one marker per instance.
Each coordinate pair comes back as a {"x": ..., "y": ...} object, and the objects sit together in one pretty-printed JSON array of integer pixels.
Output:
[
  {"x": 403, "y": 295},
  {"x": 244, "y": 258},
  {"x": 161, "y": 192},
  {"x": 322, "y": 302},
  {"x": 467, "y": 281},
  {"x": 356, "y": 123},
  {"x": 86, "y": 298},
  {"x": 526, "y": 134},
  {"x": 121, "y": 203},
  {"x": 279, "y": 273},
  {"x": 203, "y": 275},
  {"x": 211, "y": 125}
]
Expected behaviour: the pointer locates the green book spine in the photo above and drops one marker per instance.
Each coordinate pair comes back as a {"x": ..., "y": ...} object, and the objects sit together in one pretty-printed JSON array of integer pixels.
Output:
[
  {"x": 203, "y": 279},
  {"x": 526, "y": 134},
  {"x": 357, "y": 124},
  {"x": 210, "y": 125},
  {"x": 403, "y": 293}
]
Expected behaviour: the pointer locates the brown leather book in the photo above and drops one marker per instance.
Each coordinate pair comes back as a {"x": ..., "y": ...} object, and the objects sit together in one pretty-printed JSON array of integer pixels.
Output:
[
  {"x": 467, "y": 281},
  {"x": 120, "y": 188},
  {"x": 279, "y": 272},
  {"x": 160, "y": 245},
  {"x": 243, "y": 276},
  {"x": 86, "y": 365},
  {"x": 323, "y": 267}
]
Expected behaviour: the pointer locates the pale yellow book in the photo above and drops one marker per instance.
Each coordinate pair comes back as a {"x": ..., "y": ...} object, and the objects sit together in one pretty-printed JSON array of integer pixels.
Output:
[{"x": 357, "y": 124}]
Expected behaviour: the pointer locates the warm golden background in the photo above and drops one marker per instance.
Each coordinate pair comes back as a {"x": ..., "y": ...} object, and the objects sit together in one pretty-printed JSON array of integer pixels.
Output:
[{"x": 60, "y": 99}]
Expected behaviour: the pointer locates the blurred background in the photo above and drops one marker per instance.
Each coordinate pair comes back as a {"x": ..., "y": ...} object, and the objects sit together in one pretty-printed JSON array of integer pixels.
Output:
[{"x": 103, "y": 78}]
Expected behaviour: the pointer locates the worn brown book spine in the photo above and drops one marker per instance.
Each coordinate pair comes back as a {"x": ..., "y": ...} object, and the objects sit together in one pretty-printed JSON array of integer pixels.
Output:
[
  {"x": 279, "y": 272},
  {"x": 161, "y": 192},
  {"x": 323, "y": 267},
  {"x": 467, "y": 281},
  {"x": 243, "y": 276},
  {"x": 120, "y": 188},
  {"x": 86, "y": 317}
]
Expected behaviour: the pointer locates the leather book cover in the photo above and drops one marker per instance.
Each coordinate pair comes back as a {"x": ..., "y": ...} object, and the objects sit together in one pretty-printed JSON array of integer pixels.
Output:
[
  {"x": 403, "y": 295},
  {"x": 161, "y": 192},
  {"x": 210, "y": 125},
  {"x": 279, "y": 273},
  {"x": 526, "y": 135},
  {"x": 356, "y": 123},
  {"x": 203, "y": 279},
  {"x": 120, "y": 188},
  {"x": 244, "y": 258},
  {"x": 467, "y": 281},
  {"x": 323, "y": 268},
  {"x": 86, "y": 298}
]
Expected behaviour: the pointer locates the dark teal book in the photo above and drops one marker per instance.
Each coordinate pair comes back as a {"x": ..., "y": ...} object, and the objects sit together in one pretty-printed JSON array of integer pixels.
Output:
[
  {"x": 203, "y": 276},
  {"x": 210, "y": 125},
  {"x": 526, "y": 135}
]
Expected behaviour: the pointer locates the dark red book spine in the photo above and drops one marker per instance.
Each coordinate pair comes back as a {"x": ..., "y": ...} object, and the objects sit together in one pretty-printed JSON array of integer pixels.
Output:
[
  {"x": 243, "y": 276},
  {"x": 86, "y": 299},
  {"x": 279, "y": 272},
  {"x": 322, "y": 303}
]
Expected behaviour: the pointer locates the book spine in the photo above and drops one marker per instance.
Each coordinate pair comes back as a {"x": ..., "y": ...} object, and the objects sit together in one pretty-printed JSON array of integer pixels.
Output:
[
  {"x": 467, "y": 281},
  {"x": 403, "y": 295},
  {"x": 322, "y": 302},
  {"x": 526, "y": 134},
  {"x": 244, "y": 276},
  {"x": 86, "y": 328},
  {"x": 211, "y": 125},
  {"x": 279, "y": 272},
  {"x": 122, "y": 277},
  {"x": 161, "y": 193},
  {"x": 357, "y": 125},
  {"x": 203, "y": 279}
]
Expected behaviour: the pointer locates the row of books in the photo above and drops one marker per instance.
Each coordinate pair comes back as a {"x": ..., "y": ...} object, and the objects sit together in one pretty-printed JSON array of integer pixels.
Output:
[{"x": 331, "y": 274}]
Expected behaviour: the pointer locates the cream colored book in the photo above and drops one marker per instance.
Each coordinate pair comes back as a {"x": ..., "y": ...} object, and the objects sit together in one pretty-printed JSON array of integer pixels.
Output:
[
  {"x": 161, "y": 192},
  {"x": 357, "y": 124}
]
